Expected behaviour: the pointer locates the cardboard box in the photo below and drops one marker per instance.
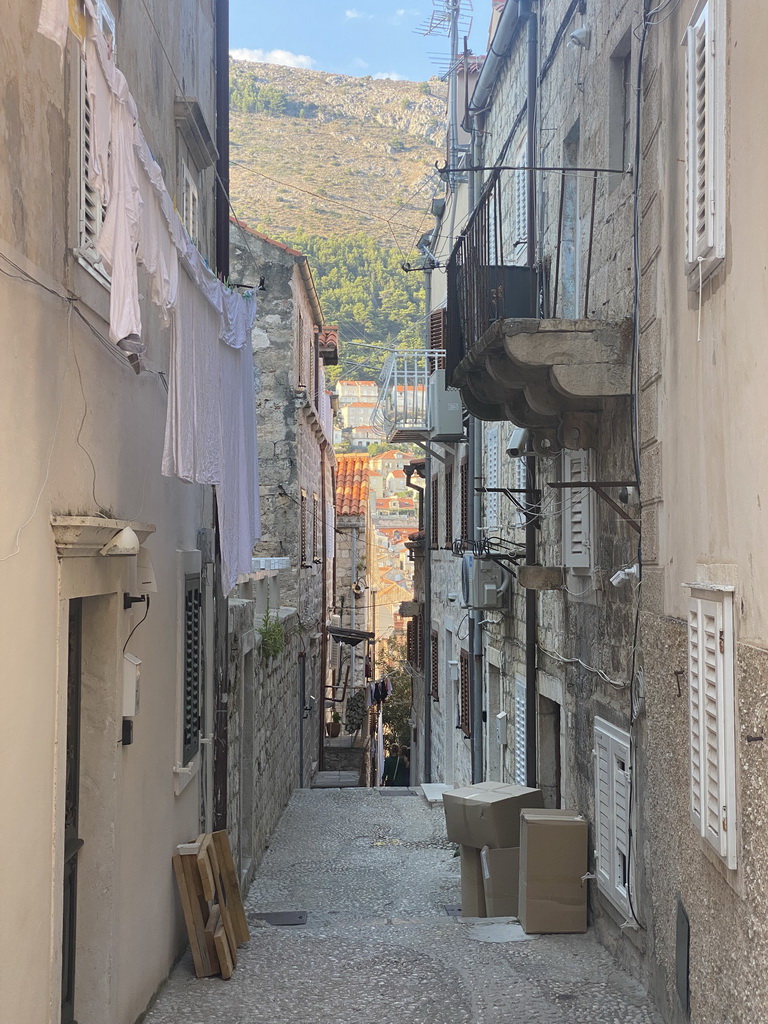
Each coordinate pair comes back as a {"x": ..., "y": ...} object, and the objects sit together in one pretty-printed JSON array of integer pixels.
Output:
[
  {"x": 487, "y": 814},
  {"x": 472, "y": 892},
  {"x": 501, "y": 870},
  {"x": 553, "y": 858}
]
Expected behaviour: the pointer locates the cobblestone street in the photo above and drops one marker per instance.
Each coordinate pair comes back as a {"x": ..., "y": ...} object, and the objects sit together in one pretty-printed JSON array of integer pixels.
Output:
[{"x": 375, "y": 874}]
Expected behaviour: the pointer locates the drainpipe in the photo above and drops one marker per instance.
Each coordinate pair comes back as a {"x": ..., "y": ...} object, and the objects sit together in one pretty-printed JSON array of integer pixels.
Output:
[
  {"x": 531, "y": 729},
  {"x": 323, "y": 599},
  {"x": 222, "y": 138},
  {"x": 428, "y": 615}
]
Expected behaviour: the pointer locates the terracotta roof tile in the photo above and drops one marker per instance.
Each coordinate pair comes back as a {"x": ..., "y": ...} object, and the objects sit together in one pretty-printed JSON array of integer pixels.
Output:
[{"x": 351, "y": 484}]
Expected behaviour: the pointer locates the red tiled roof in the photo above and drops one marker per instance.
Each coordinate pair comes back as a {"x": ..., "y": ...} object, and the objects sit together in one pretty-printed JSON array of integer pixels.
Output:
[{"x": 351, "y": 484}]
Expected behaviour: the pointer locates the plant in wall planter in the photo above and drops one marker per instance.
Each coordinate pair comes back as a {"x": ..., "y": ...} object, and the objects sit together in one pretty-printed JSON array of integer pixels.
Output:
[{"x": 333, "y": 728}]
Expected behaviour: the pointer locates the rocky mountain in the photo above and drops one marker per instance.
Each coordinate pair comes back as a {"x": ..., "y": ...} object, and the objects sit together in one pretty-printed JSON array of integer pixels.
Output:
[{"x": 331, "y": 155}]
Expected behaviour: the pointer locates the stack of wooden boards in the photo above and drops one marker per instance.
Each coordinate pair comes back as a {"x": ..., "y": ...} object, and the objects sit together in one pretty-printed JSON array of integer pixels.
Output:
[{"x": 210, "y": 898}]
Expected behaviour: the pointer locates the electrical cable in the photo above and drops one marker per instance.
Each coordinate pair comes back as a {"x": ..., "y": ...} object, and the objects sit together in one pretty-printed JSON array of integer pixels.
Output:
[
  {"x": 141, "y": 620},
  {"x": 617, "y": 684}
]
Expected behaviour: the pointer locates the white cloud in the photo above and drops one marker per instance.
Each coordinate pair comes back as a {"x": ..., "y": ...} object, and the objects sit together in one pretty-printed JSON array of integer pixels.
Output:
[
  {"x": 391, "y": 75},
  {"x": 284, "y": 57},
  {"x": 358, "y": 62},
  {"x": 352, "y": 13}
]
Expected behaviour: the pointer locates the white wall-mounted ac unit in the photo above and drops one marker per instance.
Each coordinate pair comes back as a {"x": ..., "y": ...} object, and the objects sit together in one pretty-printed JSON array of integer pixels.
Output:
[
  {"x": 483, "y": 583},
  {"x": 445, "y": 414}
]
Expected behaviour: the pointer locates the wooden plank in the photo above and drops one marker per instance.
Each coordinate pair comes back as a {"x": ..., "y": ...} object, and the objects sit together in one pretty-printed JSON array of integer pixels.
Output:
[
  {"x": 214, "y": 920},
  {"x": 223, "y": 951},
  {"x": 193, "y": 919},
  {"x": 221, "y": 896},
  {"x": 231, "y": 886},
  {"x": 205, "y": 868}
]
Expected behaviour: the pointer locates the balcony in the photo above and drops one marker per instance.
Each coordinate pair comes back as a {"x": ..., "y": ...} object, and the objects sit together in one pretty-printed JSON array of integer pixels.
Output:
[
  {"x": 414, "y": 404},
  {"x": 552, "y": 376}
]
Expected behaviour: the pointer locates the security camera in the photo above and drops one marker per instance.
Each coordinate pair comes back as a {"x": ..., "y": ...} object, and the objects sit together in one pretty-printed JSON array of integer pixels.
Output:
[
  {"x": 581, "y": 37},
  {"x": 620, "y": 577},
  {"x": 517, "y": 442}
]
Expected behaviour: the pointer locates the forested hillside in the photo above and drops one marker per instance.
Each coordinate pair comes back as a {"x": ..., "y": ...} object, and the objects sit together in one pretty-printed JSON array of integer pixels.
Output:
[{"x": 342, "y": 169}]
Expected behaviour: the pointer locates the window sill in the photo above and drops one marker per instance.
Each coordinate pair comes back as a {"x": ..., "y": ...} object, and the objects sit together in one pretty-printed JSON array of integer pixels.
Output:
[
  {"x": 709, "y": 266},
  {"x": 184, "y": 774}
]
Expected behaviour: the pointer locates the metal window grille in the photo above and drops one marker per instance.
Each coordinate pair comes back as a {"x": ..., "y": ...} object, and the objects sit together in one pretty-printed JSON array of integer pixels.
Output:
[
  {"x": 464, "y": 714},
  {"x": 192, "y": 665}
]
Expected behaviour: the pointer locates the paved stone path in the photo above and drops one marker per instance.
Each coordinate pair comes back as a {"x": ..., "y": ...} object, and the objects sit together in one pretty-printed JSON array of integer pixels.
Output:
[{"x": 375, "y": 873}]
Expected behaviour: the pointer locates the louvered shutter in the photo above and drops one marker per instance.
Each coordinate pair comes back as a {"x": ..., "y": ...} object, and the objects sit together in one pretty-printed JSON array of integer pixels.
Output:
[
  {"x": 520, "y": 482},
  {"x": 435, "y": 667},
  {"x": 603, "y": 811},
  {"x": 192, "y": 665},
  {"x": 330, "y": 530},
  {"x": 465, "y": 715},
  {"x": 712, "y": 723},
  {"x": 700, "y": 206},
  {"x": 621, "y": 790},
  {"x": 520, "y": 773},
  {"x": 520, "y": 213},
  {"x": 492, "y": 477},
  {"x": 577, "y": 511}
]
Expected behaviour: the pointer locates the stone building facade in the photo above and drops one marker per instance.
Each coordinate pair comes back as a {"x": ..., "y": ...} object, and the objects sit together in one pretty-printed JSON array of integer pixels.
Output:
[{"x": 296, "y": 458}]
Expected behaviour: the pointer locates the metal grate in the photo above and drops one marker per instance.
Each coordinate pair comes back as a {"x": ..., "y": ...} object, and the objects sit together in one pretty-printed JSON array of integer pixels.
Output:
[{"x": 401, "y": 409}]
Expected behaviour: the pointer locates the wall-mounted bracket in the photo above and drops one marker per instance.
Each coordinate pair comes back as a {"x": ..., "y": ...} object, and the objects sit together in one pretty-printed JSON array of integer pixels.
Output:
[{"x": 597, "y": 486}]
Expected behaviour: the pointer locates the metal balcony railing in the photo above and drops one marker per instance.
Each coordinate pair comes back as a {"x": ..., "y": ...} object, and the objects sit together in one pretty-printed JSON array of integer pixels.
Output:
[
  {"x": 402, "y": 412},
  {"x": 485, "y": 281}
]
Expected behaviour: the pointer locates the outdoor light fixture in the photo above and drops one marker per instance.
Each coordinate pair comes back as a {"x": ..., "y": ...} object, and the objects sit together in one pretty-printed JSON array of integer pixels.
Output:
[{"x": 124, "y": 542}]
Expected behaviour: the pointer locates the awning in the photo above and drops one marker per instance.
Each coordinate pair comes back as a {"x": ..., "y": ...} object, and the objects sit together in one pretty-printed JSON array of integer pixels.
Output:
[{"x": 352, "y": 637}]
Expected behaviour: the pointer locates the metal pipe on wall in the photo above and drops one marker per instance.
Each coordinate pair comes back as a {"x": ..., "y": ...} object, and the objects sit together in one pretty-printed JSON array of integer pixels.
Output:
[
  {"x": 531, "y": 697},
  {"x": 222, "y": 138}
]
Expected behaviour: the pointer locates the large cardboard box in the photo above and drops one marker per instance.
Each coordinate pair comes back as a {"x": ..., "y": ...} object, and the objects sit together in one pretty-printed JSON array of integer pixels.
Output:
[
  {"x": 553, "y": 859},
  {"x": 501, "y": 871},
  {"x": 472, "y": 892},
  {"x": 487, "y": 814}
]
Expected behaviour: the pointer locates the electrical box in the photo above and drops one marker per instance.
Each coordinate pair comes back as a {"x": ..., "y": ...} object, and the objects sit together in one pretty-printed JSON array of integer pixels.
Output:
[
  {"x": 131, "y": 679},
  {"x": 483, "y": 583},
  {"x": 501, "y": 728},
  {"x": 445, "y": 413}
]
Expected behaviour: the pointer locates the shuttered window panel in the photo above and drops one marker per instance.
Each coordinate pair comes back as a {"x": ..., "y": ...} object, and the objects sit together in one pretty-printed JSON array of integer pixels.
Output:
[
  {"x": 612, "y": 809},
  {"x": 192, "y": 665},
  {"x": 492, "y": 477},
  {"x": 330, "y": 530},
  {"x": 449, "y": 508},
  {"x": 464, "y": 696},
  {"x": 317, "y": 554},
  {"x": 520, "y": 212},
  {"x": 705, "y": 138},
  {"x": 464, "y": 500},
  {"x": 519, "y": 483},
  {"x": 437, "y": 332},
  {"x": 435, "y": 666},
  {"x": 303, "y": 528},
  {"x": 712, "y": 721},
  {"x": 520, "y": 772},
  {"x": 577, "y": 511},
  {"x": 410, "y": 642},
  {"x": 435, "y": 514}
]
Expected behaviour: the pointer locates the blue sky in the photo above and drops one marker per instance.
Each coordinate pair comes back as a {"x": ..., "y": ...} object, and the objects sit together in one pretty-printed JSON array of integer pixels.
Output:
[{"x": 359, "y": 37}]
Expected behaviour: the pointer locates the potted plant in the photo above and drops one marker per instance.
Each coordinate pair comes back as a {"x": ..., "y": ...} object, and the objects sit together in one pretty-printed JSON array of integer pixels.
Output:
[{"x": 333, "y": 728}]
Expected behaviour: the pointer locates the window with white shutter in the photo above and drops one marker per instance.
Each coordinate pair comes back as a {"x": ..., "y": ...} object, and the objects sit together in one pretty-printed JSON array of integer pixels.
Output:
[
  {"x": 190, "y": 202},
  {"x": 577, "y": 512},
  {"x": 519, "y": 483},
  {"x": 705, "y": 139},
  {"x": 520, "y": 211},
  {"x": 492, "y": 477},
  {"x": 520, "y": 774},
  {"x": 613, "y": 783},
  {"x": 712, "y": 718}
]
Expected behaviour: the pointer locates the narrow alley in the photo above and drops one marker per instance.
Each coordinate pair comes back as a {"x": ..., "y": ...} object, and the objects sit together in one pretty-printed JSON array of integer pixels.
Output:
[{"x": 377, "y": 878}]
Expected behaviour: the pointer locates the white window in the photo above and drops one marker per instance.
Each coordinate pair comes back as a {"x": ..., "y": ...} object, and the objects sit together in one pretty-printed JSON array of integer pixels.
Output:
[
  {"x": 520, "y": 774},
  {"x": 190, "y": 203},
  {"x": 577, "y": 512},
  {"x": 705, "y": 138},
  {"x": 613, "y": 782},
  {"x": 91, "y": 208},
  {"x": 519, "y": 483},
  {"x": 712, "y": 718},
  {"x": 520, "y": 209},
  {"x": 492, "y": 478}
]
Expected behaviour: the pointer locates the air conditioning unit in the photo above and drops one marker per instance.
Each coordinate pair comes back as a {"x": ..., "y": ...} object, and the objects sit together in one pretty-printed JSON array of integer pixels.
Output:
[
  {"x": 483, "y": 583},
  {"x": 445, "y": 413}
]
